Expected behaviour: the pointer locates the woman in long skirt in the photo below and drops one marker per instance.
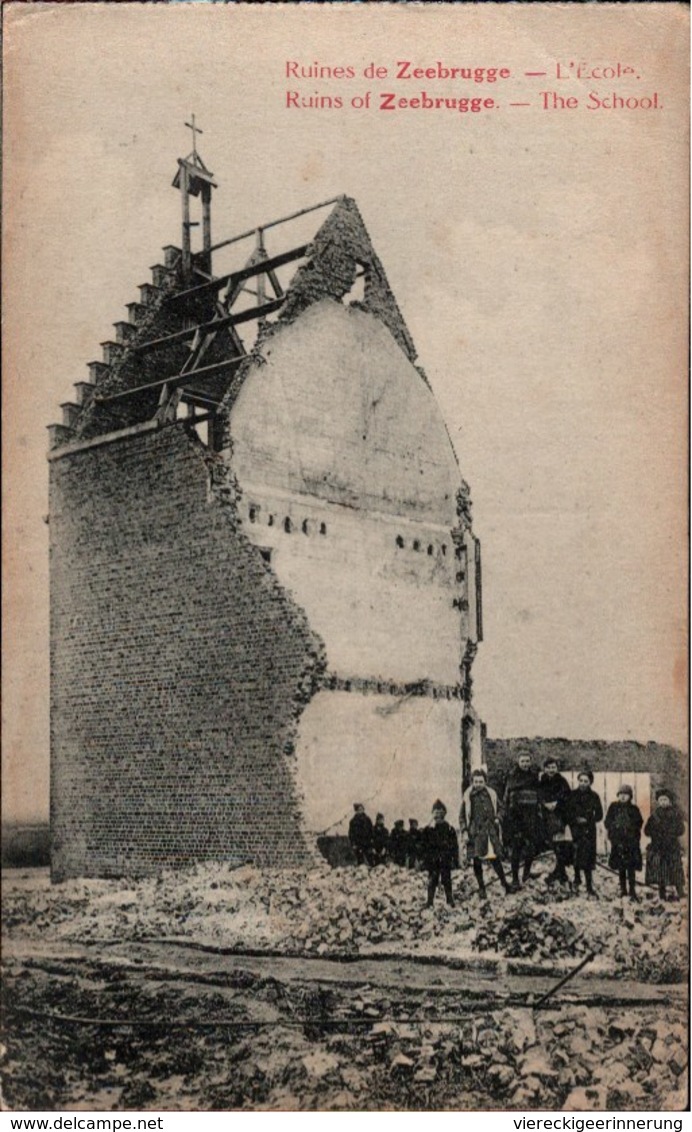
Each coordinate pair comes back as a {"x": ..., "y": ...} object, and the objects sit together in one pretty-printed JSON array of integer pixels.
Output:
[{"x": 665, "y": 827}]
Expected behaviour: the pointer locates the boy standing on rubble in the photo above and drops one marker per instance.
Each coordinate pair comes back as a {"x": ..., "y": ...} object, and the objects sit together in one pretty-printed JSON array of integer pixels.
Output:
[
  {"x": 441, "y": 852},
  {"x": 479, "y": 819}
]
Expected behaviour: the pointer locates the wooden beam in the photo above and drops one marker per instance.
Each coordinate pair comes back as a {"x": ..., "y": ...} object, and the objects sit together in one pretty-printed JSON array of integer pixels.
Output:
[
  {"x": 274, "y": 223},
  {"x": 239, "y": 276},
  {"x": 215, "y": 324},
  {"x": 172, "y": 382}
]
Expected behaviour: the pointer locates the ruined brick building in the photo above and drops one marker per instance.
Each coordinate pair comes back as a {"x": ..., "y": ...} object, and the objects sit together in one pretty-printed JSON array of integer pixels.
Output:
[{"x": 265, "y": 588}]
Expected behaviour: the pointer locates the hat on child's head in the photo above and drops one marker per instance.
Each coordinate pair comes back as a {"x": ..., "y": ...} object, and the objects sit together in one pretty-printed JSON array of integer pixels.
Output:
[
  {"x": 439, "y": 807},
  {"x": 588, "y": 773},
  {"x": 625, "y": 789},
  {"x": 379, "y": 817},
  {"x": 358, "y": 806},
  {"x": 398, "y": 823}
]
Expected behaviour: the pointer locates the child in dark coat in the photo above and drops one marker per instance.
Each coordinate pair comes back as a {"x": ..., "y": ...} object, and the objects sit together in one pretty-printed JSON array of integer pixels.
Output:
[
  {"x": 582, "y": 811},
  {"x": 665, "y": 827},
  {"x": 623, "y": 824},
  {"x": 441, "y": 850}
]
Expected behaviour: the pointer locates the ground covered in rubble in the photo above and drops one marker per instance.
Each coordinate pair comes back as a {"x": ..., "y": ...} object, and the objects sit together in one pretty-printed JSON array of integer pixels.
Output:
[
  {"x": 334, "y": 990},
  {"x": 360, "y": 911}
]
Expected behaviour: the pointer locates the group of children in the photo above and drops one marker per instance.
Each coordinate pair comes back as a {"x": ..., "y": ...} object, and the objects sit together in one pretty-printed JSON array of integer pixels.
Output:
[{"x": 536, "y": 813}]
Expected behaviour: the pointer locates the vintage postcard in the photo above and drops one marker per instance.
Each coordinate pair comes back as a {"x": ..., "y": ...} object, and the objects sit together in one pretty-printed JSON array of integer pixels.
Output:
[{"x": 345, "y": 434}]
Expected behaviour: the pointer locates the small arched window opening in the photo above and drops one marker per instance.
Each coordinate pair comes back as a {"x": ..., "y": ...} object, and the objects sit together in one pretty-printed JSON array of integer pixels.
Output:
[
  {"x": 288, "y": 525},
  {"x": 253, "y": 514},
  {"x": 443, "y": 548},
  {"x": 399, "y": 541},
  {"x": 323, "y": 528},
  {"x": 431, "y": 548},
  {"x": 416, "y": 544}
]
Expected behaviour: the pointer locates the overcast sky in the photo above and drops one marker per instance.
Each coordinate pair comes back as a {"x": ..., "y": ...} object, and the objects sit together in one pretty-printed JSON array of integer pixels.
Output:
[{"x": 539, "y": 259}]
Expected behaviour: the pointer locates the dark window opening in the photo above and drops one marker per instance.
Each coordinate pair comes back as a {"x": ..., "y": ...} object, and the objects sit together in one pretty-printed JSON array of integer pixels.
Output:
[
  {"x": 266, "y": 553},
  {"x": 431, "y": 548},
  {"x": 459, "y": 552},
  {"x": 443, "y": 548},
  {"x": 416, "y": 544},
  {"x": 270, "y": 521},
  {"x": 253, "y": 514},
  {"x": 460, "y": 576},
  {"x": 323, "y": 528},
  {"x": 399, "y": 541},
  {"x": 304, "y": 527},
  {"x": 288, "y": 525}
]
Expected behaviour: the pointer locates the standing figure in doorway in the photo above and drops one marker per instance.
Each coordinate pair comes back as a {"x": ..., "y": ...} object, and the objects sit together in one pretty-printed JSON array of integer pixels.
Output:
[
  {"x": 522, "y": 823},
  {"x": 414, "y": 852},
  {"x": 380, "y": 841},
  {"x": 665, "y": 827},
  {"x": 441, "y": 854},
  {"x": 360, "y": 834},
  {"x": 479, "y": 819},
  {"x": 623, "y": 824},
  {"x": 398, "y": 843},
  {"x": 583, "y": 810},
  {"x": 553, "y": 791}
]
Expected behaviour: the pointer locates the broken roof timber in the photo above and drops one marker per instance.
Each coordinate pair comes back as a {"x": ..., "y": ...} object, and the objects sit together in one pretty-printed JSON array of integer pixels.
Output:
[
  {"x": 174, "y": 381},
  {"x": 247, "y": 315},
  {"x": 234, "y": 277}
]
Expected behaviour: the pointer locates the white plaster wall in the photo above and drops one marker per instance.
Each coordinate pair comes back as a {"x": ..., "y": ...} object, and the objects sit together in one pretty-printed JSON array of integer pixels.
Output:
[
  {"x": 384, "y": 612},
  {"x": 394, "y": 755},
  {"x": 338, "y": 411},
  {"x": 337, "y": 427}
]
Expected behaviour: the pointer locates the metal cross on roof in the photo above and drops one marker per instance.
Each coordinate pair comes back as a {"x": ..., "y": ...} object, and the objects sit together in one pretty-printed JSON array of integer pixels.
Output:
[{"x": 195, "y": 130}]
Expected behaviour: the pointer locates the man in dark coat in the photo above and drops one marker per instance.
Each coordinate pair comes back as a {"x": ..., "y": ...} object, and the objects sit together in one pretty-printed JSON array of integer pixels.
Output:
[
  {"x": 522, "y": 825},
  {"x": 553, "y": 792},
  {"x": 583, "y": 810},
  {"x": 360, "y": 833},
  {"x": 414, "y": 855},
  {"x": 441, "y": 853},
  {"x": 623, "y": 824},
  {"x": 398, "y": 843},
  {"x": 380, "y": 841}
]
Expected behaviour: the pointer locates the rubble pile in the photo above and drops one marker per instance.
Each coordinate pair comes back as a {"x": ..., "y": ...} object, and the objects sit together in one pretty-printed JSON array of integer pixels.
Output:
[
  {"x": 316, "y": 1046},
  {"x": 359, "y": 911},
  {"x": 531, "y": 934}
]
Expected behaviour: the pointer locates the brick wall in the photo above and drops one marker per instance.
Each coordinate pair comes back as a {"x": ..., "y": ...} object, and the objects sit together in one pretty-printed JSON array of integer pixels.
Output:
[{"x": 179, "y": 669}]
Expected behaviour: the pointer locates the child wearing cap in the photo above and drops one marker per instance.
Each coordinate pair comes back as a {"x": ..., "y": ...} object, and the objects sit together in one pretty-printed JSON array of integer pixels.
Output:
[
  {"x": 623, "y": 824},
  {"x": 441, "y": 849}
]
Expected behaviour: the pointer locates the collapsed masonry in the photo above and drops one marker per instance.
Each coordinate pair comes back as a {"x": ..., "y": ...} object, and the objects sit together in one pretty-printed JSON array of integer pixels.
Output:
[{"x": 265, "y": 588}]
